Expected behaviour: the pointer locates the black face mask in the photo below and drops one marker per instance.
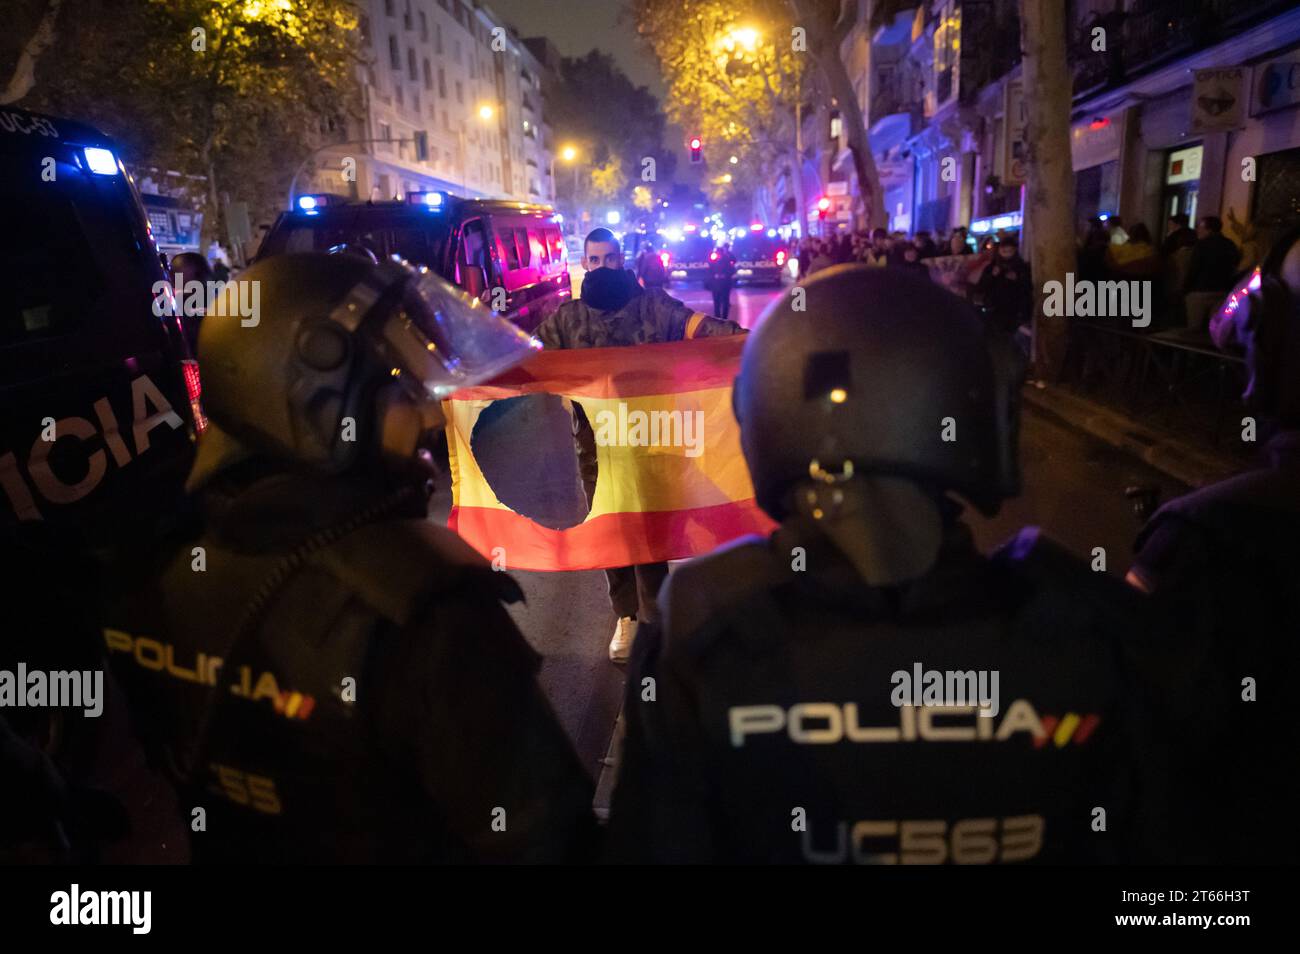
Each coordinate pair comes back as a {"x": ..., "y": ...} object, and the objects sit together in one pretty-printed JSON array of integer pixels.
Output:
[{"x": 609, "y": 289}]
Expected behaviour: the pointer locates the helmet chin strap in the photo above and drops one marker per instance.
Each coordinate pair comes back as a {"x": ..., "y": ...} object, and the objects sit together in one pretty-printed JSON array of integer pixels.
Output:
[{"x": 888, "y": 528}]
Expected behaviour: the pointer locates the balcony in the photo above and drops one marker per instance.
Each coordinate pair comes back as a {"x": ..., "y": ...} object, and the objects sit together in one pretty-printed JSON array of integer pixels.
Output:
[{"x": 1157, "y": 31}]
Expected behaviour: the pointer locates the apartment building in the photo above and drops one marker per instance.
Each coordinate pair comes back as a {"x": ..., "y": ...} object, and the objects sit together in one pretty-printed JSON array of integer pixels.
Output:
[
  {"x": 451, "y": 100},
  {"x": 1188, "y": 108}
]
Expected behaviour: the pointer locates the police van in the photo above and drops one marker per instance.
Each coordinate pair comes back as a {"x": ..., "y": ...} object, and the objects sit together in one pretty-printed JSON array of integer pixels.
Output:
[
  {"x": 511, "y": 254},
  {"x": 99, "y": 397}
]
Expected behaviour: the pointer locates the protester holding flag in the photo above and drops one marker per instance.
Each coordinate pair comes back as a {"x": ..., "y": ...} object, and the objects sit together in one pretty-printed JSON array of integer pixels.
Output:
[{"x": 615, "y": 311}]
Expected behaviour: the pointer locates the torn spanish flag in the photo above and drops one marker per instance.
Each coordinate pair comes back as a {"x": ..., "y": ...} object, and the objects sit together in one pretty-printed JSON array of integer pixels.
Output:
[{"x": 672, "y": 482}]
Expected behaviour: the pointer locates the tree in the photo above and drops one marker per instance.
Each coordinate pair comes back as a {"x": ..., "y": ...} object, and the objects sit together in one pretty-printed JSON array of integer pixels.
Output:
[
  {"x": 733, "y": 79},
  {"x": 24, "y": 74},
  {"x": 1049, "y": 196},
  {"x": 609, "y": 119},
  {"x": 828, "y": 23},
  {"x": 234, "y": 91},
  {"x": 608, "y": 180}
]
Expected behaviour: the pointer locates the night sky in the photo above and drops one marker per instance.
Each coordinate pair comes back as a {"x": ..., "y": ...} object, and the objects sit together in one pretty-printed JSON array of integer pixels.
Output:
[{"x": 575, "y": 26}]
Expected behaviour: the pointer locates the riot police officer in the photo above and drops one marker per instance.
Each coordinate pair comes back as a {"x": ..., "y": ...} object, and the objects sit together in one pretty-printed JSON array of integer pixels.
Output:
[
  {"x": 863, "y": 685},
  {"x": 1221, "y": 562},
  {"x": 329, "y": 676}
]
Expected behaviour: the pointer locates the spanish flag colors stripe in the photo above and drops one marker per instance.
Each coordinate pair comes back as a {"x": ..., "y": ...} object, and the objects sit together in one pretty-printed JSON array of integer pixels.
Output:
[{"x": 672, "y": 482}]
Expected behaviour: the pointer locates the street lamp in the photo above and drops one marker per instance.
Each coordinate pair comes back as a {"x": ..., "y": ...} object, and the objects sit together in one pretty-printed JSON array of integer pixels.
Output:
[
  {"x": 485, "y": 112},
  {"x": 745, "y": 38},
  {"x": 569, "y": 154}
]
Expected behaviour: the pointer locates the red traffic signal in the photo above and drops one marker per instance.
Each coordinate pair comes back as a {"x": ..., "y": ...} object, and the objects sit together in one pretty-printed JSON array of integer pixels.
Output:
[
  {"x": 823, "y": 206},
  {"x": 697, "y": 149}
]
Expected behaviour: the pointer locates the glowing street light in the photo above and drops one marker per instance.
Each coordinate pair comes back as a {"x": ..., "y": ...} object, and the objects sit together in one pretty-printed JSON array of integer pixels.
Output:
[
  {"x": 568, "y": 154},
  {"x": 485, "y": 112}
]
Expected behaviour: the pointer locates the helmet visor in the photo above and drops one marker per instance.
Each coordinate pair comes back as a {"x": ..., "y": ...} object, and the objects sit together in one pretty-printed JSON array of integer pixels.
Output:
[
  {"x": 444, "y": 340},
  {"x": 1230, "y": 319}
]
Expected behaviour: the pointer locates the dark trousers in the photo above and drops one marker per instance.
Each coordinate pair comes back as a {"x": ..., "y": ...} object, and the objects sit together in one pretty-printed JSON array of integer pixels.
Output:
[
  {"x": 632, "y": 589},
  {"x": 722, "y": 300}
]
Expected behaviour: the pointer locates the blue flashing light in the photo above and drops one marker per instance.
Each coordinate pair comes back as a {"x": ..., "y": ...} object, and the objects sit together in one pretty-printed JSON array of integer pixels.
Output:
[
  {"x": 430, "y": 200},
  {"x": 100, "y": 161},
  {"x": 307, "y": 203}
]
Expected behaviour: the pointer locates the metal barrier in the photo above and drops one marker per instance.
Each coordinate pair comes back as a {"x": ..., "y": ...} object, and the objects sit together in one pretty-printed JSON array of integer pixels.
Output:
[{"x": 1173, "y": 379}]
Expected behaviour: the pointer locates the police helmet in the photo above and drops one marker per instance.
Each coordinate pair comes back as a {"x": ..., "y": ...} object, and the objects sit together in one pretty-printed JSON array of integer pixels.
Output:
[
  {"x": 880, "y": 372},
  {"x": 331, "y": 338},
  {"x": 1261, "y": 316}
]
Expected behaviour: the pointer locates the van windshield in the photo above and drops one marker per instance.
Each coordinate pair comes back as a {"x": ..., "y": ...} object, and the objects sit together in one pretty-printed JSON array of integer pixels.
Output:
[
  {"x": 66, "y": 248},
  {"x": 421, "y": 241}
]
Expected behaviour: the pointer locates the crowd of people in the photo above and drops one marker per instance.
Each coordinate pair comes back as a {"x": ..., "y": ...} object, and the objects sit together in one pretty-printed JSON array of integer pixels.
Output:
[
  {"x": 1191, "y": 268},
  {"x": 990, "y": 273}
]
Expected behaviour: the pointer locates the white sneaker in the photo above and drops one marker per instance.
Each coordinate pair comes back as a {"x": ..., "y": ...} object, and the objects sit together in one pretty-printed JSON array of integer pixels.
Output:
[{"x": 620, "y": 647}]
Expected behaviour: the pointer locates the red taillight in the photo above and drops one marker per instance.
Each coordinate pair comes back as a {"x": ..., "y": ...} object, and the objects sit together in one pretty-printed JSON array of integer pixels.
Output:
[
  {"x": 663, "y": 257},
  {"x": 713, "y": 256},
  {"x": 194, "y": 390},
  {"x": 780, "y": 257}
]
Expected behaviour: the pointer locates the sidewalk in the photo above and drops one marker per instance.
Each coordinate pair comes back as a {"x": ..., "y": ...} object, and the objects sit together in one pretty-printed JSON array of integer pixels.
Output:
[{"x": 1194, "y": 464}]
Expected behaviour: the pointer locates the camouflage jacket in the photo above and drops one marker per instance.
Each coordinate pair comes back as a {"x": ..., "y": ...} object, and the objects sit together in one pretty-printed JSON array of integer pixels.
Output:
[{"x": 650, "y": 317}]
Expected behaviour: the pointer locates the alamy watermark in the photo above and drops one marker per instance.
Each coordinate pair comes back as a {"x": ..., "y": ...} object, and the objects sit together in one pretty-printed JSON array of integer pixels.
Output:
[
  {"x": 193, "y": 299},
  {"x": 950, "y": 687},
  {"x": 624, "y": 428},
  {"x": 77, "y": 907},
  {"x": 1089, "y": 299},
  {"x": 77, "y": 689}
]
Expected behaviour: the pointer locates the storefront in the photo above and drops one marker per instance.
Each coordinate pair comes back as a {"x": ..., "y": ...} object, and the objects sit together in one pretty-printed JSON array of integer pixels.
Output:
[
  {"x": 1182, "y": 182},
  {"x": 1094, "y": 152}
]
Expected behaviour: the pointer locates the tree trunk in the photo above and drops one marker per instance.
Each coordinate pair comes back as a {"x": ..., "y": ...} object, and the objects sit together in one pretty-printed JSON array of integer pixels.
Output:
[
  {"x": 24, "y": 75},
  {"x": 824, "y": 42},
  {"x": 1049, "y": 195},
  {"x": 212, "y": 218},
  {"x": 864, "y": 163},
  {"x": 800, "y": 203}
]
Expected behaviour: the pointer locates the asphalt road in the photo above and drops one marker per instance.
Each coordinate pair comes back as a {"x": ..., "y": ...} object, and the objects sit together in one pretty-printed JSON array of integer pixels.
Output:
[{"x": 1074, "y": 489}]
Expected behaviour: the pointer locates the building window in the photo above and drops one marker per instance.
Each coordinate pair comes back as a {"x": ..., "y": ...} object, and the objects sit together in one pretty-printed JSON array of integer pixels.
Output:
[
  {"x": 388, "y": 8},
  {"x": 456, "y": 56},
  {"x": 406, "y": 17},
  {"x": 437, "y": 38},
  {"x": 460, "y": 92},
  {"x": 394, "y": 54},
  {"x": 424, "y": 27},
  {"x": 363, "y": 24},
  {"x": 410, "y": 65},
  {"x": 428, "y": 75},
  {"x": 442, "y": 83},
  {"x": 385, "y": 132},
  {"x": 401, "y": 96}
]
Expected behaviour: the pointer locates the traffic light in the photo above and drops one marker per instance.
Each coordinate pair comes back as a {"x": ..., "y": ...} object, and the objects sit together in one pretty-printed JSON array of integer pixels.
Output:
[
  {"x": 697, "y": 149},
  {"x": 823, "y": 206}
]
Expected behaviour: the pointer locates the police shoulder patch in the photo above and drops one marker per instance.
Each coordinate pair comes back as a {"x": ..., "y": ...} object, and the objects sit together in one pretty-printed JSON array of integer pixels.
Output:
[
  {"x": 708, "y": 586},
  {"x": 395, "y": 566}
]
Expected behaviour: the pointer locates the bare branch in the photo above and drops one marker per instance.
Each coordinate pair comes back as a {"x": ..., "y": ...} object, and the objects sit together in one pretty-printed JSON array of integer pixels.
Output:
[{"x": 24, "y": 76}]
